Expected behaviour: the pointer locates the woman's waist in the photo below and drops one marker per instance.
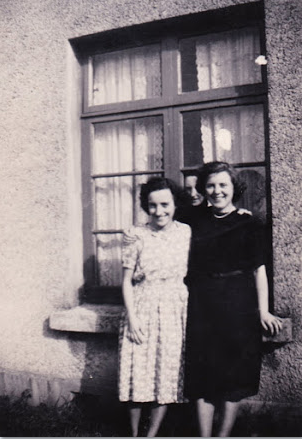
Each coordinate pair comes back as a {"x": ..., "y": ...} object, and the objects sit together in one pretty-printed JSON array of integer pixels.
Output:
[
  {"x": 219, "y": 273},
  {"x": 176, "y": 281}
]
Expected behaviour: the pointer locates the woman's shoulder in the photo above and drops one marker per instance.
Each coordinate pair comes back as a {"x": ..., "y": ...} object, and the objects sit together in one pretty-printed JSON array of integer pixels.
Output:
[
  {"x": 134, "y": 233},
  {"x": 250, "y": 220},
  {"x": 182, "y": 227}
]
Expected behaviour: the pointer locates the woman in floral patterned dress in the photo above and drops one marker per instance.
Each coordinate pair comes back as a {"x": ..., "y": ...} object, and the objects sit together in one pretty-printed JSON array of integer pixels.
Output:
[{"x": 152, "y": 336}]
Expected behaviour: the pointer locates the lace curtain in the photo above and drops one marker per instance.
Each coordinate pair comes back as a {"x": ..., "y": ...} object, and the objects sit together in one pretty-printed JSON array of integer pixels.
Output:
[
  {"x": 125, "y": 146},
  {"x": 228, "y": 58},
  {"x": 234, "y": 135}
]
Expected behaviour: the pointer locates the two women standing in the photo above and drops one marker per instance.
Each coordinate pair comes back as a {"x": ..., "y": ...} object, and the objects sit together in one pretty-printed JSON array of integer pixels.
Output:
[{"x": 227, "y": 284}]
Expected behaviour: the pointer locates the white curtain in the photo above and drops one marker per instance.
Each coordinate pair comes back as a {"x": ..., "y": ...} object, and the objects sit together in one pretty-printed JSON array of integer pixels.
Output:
[
  {"x": 125, "y": 146},
  {"x": 228, "y": 58},
  {"x": 234, "y": 135},
  {"x": 126, "y": 75}
]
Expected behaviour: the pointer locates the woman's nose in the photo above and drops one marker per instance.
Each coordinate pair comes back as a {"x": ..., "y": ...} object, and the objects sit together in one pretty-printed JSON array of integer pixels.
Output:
[
  {"x": 158, "y": 210},
  {"x": 216, "y": 189}
]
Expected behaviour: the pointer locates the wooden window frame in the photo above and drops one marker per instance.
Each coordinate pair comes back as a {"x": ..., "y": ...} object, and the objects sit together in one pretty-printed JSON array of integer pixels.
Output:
[{"x": 170, "y": 105}]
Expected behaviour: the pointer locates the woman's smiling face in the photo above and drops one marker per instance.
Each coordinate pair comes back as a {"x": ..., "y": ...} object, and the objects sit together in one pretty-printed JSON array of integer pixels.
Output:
[
  {"x": 161, "y": 208},
  {"x": 219, "y": 191}
]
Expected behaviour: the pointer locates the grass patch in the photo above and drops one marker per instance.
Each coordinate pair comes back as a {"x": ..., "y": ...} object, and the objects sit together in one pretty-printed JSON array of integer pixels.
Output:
[{"x": 83, "y": 416}]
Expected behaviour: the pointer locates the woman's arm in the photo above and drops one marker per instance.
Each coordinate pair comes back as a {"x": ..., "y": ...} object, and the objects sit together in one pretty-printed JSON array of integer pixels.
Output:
[
  {"x": 135, "y": 332},
  {"x": 268, "y": 321}
]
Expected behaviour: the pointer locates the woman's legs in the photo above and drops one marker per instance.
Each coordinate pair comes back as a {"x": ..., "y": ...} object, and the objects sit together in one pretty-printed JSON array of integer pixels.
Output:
[
  {"x": 158, "y": 412},
  {"x": 205, "y": 413},
  {"x": 229, "y": 414},
  {"x": 135, "y": 410}
]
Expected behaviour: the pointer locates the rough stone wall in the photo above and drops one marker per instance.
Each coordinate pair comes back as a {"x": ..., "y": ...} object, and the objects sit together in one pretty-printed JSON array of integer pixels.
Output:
[
  {"x": 282, "y": 376},
  {"x": 40, "y": 251}
]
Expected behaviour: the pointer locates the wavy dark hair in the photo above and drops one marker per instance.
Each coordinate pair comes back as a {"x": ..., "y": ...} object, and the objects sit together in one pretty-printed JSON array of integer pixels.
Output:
[
  {"x": 214, "y": 168},
  {"x": 157, "y": 184}
]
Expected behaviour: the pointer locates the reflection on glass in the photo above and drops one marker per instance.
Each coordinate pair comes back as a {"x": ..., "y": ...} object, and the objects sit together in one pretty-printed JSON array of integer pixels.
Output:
[
  {"x": 234, "y": 135},
  {"x": 126, "y": 75},
  {"x": 218, "y": 60},
  {"x": 254, "y": 198},
  {"x": 128, "y": 145},
  {"x": 109, "y": 259}
]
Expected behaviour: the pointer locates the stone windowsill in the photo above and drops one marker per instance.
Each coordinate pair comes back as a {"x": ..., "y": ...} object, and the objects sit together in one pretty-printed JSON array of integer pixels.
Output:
[
  {"x": 87, "y": 318},
  {"x": 105, "y": 319}
]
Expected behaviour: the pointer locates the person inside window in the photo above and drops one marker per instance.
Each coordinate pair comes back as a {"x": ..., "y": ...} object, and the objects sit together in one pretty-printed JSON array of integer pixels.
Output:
[
  {"x": 155, "y": 259},
  {"x": 228, "y": 302},
  {"x": 195, "y": 204}
]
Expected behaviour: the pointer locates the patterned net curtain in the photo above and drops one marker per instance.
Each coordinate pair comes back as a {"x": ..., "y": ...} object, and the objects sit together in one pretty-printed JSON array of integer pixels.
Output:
[
  {"x": 234, "y": 134},
  {"x": 227, "y": 59}
]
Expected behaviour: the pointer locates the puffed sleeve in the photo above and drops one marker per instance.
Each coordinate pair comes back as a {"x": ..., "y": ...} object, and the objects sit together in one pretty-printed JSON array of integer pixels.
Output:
[{"x": 130, "y": 248}]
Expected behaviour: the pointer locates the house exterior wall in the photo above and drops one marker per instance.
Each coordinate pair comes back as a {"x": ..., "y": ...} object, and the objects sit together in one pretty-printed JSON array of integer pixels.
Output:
[{"x": 40, "y": 192}]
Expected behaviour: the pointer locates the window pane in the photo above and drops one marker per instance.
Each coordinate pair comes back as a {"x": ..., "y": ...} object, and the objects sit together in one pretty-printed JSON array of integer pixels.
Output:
[
  {"x": 254, "y": 198},
  {"x": 219, "y": 60},
  {"x": 117, "y": 207},
  {"x": 128, "y": 145},
  {"x": 109, "y": 259},
  {"x": 117, "y": 204},
  {"x": 233, "y": 134},
  {"x": 126, "y": 75}
]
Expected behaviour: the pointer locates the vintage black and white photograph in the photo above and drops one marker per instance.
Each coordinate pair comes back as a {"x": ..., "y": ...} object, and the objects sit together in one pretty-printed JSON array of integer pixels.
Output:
[{"x": 151, "y": 234}]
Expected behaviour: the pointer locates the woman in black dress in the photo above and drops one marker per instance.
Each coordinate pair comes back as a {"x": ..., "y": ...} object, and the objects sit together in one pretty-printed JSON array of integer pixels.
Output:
[{"x": 228, "y": 302}]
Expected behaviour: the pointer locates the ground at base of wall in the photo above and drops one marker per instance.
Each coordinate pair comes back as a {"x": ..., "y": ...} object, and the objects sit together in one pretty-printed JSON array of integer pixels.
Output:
[{"x": 88, "y": 416}]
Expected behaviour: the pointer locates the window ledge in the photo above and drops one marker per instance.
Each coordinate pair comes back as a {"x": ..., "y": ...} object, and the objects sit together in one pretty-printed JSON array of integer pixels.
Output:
[
  {"x": 105, "y": 319},
  {"x": 88, "y": 318},
  {"x": 284, "y": 336}
]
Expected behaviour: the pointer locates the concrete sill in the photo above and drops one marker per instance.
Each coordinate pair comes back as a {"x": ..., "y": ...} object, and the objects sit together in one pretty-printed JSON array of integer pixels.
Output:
[
  {"x": 105, "y": 319},
  {"x": 284, "y": 336},
  {"x": 88, "y": 318}
]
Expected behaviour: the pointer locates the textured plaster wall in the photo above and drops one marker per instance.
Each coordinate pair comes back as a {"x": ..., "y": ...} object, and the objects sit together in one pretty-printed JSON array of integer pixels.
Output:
[
  {"x": 40, "y": 221},
  {"x": 282, "y": 379}
]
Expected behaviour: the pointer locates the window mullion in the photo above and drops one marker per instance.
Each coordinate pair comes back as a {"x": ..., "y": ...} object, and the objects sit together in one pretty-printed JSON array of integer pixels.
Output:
[
  {"x": 169, "y": 67},
  {"x": 172, "y": 144}
]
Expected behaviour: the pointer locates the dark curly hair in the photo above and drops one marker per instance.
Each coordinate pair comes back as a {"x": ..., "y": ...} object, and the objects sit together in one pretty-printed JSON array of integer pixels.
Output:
[
  {"x": 157, "y": 184},
  {"x": 214, "y": 168}
]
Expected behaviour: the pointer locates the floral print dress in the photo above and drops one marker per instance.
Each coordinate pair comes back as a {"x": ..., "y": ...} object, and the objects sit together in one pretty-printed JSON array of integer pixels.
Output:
[{"x": 153, "y": 370}]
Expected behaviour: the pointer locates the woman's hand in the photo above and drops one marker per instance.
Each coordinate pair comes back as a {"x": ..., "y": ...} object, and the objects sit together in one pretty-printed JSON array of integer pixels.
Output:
[
  {"x": 270, "y": 323},
  {"x": 242, "y": 211},
  {"x": 135, "y": 332}
]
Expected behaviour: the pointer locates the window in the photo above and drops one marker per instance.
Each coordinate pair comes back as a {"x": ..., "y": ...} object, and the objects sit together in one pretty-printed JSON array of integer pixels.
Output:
[{"x": 162, "y": 99}]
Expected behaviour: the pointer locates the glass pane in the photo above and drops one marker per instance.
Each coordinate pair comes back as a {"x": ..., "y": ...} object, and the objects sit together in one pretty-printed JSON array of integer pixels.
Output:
[
  {"x": 126, "y": 75},
  {"x": 117, "y": 203},
  {"x": 233, "y": 134},
  {"x": 128, "y": 145},
  {"x": 117, "y": 206},
  {"x": 254, "y": 198},
  {"x": 219, "y": 60},
  {"x": 109, "y": 259}
]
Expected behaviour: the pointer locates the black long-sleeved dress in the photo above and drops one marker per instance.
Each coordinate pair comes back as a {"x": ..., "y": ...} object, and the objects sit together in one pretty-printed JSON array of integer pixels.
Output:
[{"x": 223, "y": 347}]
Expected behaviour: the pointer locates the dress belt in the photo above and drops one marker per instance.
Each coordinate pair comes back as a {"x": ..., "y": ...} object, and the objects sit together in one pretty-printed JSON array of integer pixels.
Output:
[
  {"x": 216, "y": 275},
  {"x": 227, "y": 274}
]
